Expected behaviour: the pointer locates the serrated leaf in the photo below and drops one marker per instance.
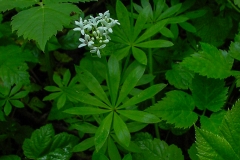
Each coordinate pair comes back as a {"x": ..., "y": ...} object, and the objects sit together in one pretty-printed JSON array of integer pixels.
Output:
[
  {"x": 209, "y": 93},
  {"x": 234, "y": 49},
  {"x": 157, "y": 149},
  {"x": 41, "y": 23},
  {"x": 192, "y": 152},
  {"x": 176, "y": 108},
  {"x": 84, "y": 145},
  {"x": 143, "y": 95},
  {"x": 179, "y": 76},
  {"x": 210, "y": 62},
  {"x": 139, "y": 116},
  {"x": 11, "y": 4},
  {"x": 85, "y": 111},
  {"x": 103, "y": 131},
  {"x": 121, "y": 130}
]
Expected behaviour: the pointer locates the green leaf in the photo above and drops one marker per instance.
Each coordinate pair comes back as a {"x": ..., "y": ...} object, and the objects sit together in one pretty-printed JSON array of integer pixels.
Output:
[
  {"x": 121, "y": 130},
  {"x": 151, "y": 31},
  {"x": 85, "y": 127},
  {"x": 41, "y": 139},
  {"x": 212, "y": 146},
  {"x": 57, "y": 79},
  {"x": 15, "y": 89},
  {"x": 234, "y": 49},
  {"x": 113, "y": 78},
  {"x": 127, "y": 157},
  {"x": 130, "y": 82},
  {"x": 143, "y": 95},
  {"x": 176, "y": 108},
  {"x": 84, "y": 145},
  {"x": 103, "y": 131},
  {"x": 146, "y": 78},
  {"x": 192, "y": 152},
  {"x": 66, "y": 77},
  {"x": 52, "y": 96},
  {"x": 139, "y": 55},
  {"x": 11, "y": 4},
  {"x": 135, "y": 126},
  {"x": 210, "y": 62},
  {"x": 10, "y": 157},
  {"x": 41, "y": 23},
  {"x": 166, "y": 32},
  {"x": 157, "y": 149},
  {"x": 64, "y": 1},
  {"x": 52, "y": 88},
  {"x": 61, "y": 101},
  {"x": 92, "y": 83},
  {"x": 209, "y": 93},
  {"x": 113, "y": 150},
  {"x": 85, "y": 111},
  {"x": 123, "y": 18},
  {"x": 188, "y": 27},
  {"x": 155, "y": 44},
  {"x": 17, "y": 103},
  {"x": 170, "y": 11},
  {"x": 179, "y": 76},
  {"x": 7, "y": 108},
  {"x": 237, "y": 2},
  {"x": 139, "y": 116}
]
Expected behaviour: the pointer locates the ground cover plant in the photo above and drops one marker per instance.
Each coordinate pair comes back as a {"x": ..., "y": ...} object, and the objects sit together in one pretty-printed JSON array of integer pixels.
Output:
[{"x": 119, "y": 80}]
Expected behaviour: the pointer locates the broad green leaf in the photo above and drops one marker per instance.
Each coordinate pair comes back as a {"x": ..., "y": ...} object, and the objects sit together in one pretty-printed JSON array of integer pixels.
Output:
[
  {"x": 230, "y": 128},
  {"x": 188, "y": 27},
  {"x": 113, "y": 78},
  {"x": 61, "y": 101},
  {"x": 152, "y": 31},
  {"x": 192, "y": 152},
  {"x": 213, "y": 123},
  {"x": 84, "y": 145},
  {"x": 139, "y": 55},
  {"x": 141, "y": 20},
  {"x": 157, "y": 149},
  {"x": 170, "y": 11},
  {"x": 10, "y": 157},
  {"x": 14, "y": 70},
  {"x": 179, "y": 76},
  {"x": 130, "y": 82},
  {"x": 11, "y": 4},
  {"x": 41, "y": 139},
  {"x": 103, "y": 131},
  {"x": 210, "y": 62},
  {"x": 155, "y": 44},
  {"x": 113, "y": 150},
  {"x": 209, "y": 93},
  {"x": 41, "y": 23},
  {"x": 127, "y": 157},
  {"x": 143, "y": 95},
  {"x": 176, "y": 108},
  {"x": 212, "y": 146},
  {"x": 139, "y": 116},
  {"x": 123, "y": 18},
  {"x": 85, "y": 110},
  {"x": 121, "y": 130},
  {"x": 92, "y": 83}
]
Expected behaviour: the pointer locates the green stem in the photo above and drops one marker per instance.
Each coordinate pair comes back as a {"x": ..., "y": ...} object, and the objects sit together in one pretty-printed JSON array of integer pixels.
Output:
[
  {"x": 150, "y": 65},
  {"x": 49, "y": 65},
  {"x": 234, "y": 6}
]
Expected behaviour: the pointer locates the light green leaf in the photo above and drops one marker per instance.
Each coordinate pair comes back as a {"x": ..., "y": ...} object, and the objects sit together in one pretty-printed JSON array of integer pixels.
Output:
[
  {"x": 103, "y": 131},
  {"x": 179, "y": 76},
  {"x": 155, "y": 44},
  {"x": 41, "y": 23},
  {"x": 210, "y": 62},
  {"x": 11, "y": 4},
  {"x": 237, "y": 2},
  {"x": 209, "y": 93},
  {"x": 176, "y": 108},
  {"x": 15, "y": 89},
  {"x": 113, "y": 78},
  {"x": 92, "y": 83},
  {"x": 20, "y": 94},
  {"x": 139, "y": 55},
  {"x": 85, "y": 111},
  {"x": 212, "y": 146},
  {"x": 85, "y": 127},
  {"x": 84, "y": 145},
  {"x": 166, "y": 32},
  {"x": 139, "y": 116},
  {"x": 121, "y": 53},
  {"x": 113, "y": 150},
  {"x": 61, "y": 101},
  {"x": 57, "y": 79},
  {"x": 143, "y": 95},
  {"x": 121, "y": 130},
  {"x": 130, "y": 82}
]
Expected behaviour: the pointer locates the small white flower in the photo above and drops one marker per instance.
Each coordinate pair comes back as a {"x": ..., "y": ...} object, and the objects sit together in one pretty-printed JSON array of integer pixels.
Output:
[
  {"x": 81, "y": 26},
  {"x": 86, "y": 41},
  {"x": 97, "y": 49}
]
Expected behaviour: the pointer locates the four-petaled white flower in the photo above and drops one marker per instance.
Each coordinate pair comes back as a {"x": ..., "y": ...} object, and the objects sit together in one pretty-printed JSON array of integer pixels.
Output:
[{"x": 96, "y": 31}]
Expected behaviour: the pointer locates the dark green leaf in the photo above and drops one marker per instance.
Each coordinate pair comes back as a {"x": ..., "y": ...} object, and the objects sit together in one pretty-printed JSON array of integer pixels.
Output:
[
  {"x": 155, "y": 44},
  {"x": 17, "y": 103},
  {"x": 20, "y": 94},
  {"x": 52, "y": 89},
  {"x": 113, "y": 150},
  {"x": 188, "y": 27},
  {"x": 170, "y": 11},
  {"x": 84, "y": 145},
  {"x": 7, "y": 108},
  {"x": 139, "y": 55},
  {"x": 85, "y": 111},
  {"x": 10, "y": 157},
  {"x": 61, "y": 101},
  {"x": 11, "y": 4}
]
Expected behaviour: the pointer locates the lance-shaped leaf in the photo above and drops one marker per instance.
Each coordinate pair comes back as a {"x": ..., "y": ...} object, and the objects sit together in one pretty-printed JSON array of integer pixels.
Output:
[
  {"x": 11, "y": 4},
  {"x": 92, "y": 83},
  {"x": 139, "y": 55},
  {"x": 84, "y": 145},
  {"x": 130, "y": 82},
  {"x": 176, "y": 108},
  {"x": 139, "y": 116},
  {"x": 209, "y": 93},
  {"x": 179, "y": 76},
  {"x": 103, "y": 131},
  {"x": 121, "y": 130},
  {"x": 143, "y": 95},
  {"x": 85, "y": 110},
  {"x": 113, "y": 78},
  {"x": 113, "y": 150},
  {"x": 170, "y": 11},
  {"x": 41, "y": 23},
  {"x": 155, "y": 44},
  {"x": 210, "y": 62}
]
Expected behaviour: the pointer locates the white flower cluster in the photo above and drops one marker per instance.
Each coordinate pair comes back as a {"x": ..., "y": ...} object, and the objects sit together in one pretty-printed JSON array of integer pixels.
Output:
[{"x": 95, "y": 31}]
